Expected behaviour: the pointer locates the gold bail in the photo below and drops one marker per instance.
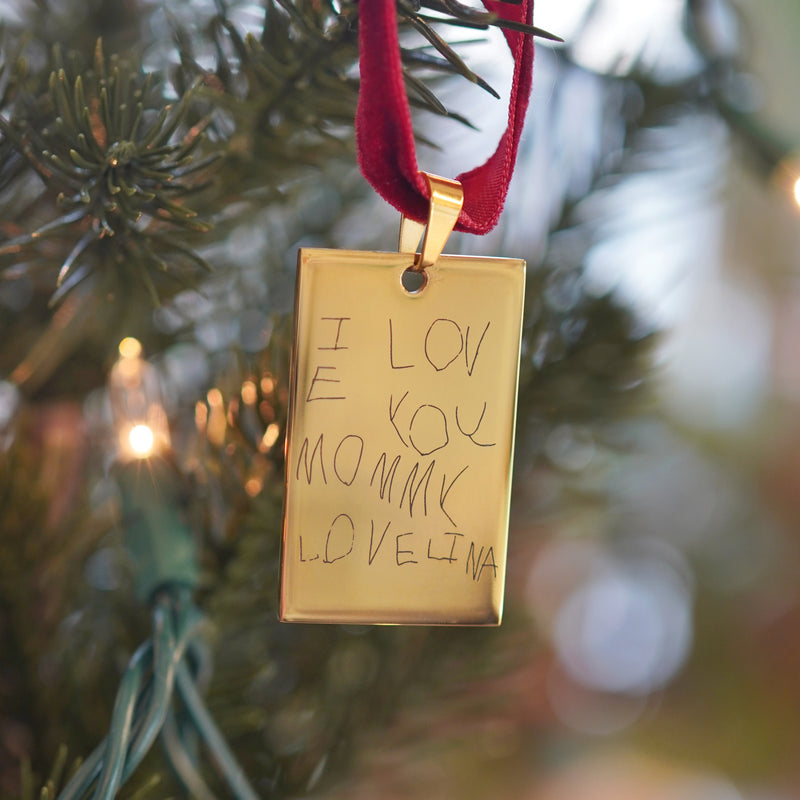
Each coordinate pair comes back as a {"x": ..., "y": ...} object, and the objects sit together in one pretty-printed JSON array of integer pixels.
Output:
[{"x": 447, "y": 197}]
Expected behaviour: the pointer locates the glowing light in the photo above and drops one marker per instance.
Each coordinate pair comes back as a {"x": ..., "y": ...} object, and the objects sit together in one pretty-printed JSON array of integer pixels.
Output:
[
  {"x": 270, "y": 436},
  {"x": 130, "y": 348},
  {"x": 797, "y": 191},
  {"x": 217, "y": 421},
  {"x": 249, "y": 393},
  {"x": 141, "y": 440},
  {"x": 142, "y": 428},
  {"x": 253, "y": 486},
  {"x": 627, "y": 629},
  {"x": 201, "y": 416}
]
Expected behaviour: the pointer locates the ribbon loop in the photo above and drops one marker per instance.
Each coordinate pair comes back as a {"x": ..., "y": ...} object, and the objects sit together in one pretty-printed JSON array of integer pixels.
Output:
[{"x": 384, "y": 135}]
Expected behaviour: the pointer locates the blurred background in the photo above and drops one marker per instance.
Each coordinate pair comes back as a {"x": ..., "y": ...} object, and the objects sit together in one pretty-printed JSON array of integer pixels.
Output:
[{"x": 651, "y": 640}]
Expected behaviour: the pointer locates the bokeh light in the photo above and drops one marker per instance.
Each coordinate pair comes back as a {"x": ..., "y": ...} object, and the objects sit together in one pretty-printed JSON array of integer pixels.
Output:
[
  {"x": 141, "y": 440},
  {"x": 627, "y": 629}
]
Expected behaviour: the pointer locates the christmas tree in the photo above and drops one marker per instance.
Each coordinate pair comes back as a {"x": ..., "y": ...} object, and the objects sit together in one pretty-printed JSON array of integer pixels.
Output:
[{"x": 160, "y": 165}]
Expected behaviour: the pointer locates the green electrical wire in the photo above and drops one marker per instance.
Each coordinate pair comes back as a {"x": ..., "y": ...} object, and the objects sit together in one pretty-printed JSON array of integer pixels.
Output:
[
  {"x": 143, "y": 711},
  {"x": 222, "y": 754},
  {"x": 121, "y": 721},
  {"x": 164, "y": 670},
  {"x": 169, "y": 644},
  {"x": 182, "y": 762},
  {"x": 166, "y": 648},
  {"x": 80, "y": 783}
]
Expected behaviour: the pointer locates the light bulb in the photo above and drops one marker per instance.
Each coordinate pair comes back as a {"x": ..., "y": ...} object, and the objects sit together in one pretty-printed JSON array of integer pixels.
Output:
[
  {"x": 139, "y": 417},
  {"x": 141, "y": 440},
  {"x": 797, "y": 191}
]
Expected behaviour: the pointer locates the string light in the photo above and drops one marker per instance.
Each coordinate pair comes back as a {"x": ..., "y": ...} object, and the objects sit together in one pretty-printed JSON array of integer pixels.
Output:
[
  {"x": 139, "y": 417},
  {"x": 163, "y": 552}
]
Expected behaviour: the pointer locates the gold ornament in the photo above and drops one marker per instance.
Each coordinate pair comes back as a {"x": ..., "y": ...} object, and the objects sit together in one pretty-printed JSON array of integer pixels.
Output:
[{"x": 401, "y": 430}]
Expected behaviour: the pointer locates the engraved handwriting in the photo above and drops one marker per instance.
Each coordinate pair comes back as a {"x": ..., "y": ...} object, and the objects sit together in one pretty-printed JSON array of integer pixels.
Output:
[
  {"x": 443, "y": 343},
  {"x": 387, "y": 478},
  {"x": 393, "y": 414},
  {"x": 426, "y": 426},
  {"x": 471, "y": 436},
  {"x": 416, "y": 495},
  {"x": 449, "y": 558},
  {"x": 313, "y": 558},
  {"x": 373, "y": 553},
  {"x": 443, "y": 494},
  {"x": 355, "y": 461},
  {"x": 343, "y": 542},
  {"x": 399, "y": 552},
  {"x": 480, "y": 562},
  {"x": 314, "y": 465},
  {"x": 336, "y": 345},
  {"x": 302, "y": 458},
  {"x": 471, "y": 364},
  {"x": 431, "y": 426},
  {"x": 316, "y": 379},
  {"x": 410, "y": 491},
  {"x": 335, "y": 544},
  {"x": 391, "y": 350}
]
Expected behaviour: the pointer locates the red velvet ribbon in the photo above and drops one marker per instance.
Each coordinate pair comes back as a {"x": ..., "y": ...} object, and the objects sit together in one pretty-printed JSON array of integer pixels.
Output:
[{"x": 384, "y": 136}]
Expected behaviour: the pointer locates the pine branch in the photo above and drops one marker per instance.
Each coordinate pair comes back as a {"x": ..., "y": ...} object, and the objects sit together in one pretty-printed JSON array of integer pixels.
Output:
[
  {"x": 120, "y": 162},
  {"x": 276, "y": 102},
  {"x": 297, "y": 73}
]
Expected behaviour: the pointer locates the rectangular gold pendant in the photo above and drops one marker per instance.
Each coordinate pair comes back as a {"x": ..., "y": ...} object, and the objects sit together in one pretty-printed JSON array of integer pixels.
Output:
[{"x": 400, "y": 439}]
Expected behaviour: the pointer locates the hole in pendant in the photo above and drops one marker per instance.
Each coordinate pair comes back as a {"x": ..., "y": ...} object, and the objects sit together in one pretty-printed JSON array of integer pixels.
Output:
[{"x": 414, "y": 281}]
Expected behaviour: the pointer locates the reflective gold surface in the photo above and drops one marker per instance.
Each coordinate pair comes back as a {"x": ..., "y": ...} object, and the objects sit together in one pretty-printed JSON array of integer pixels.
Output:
[
  {"x": 447, "y": 198},
  {"x": 400, "y": 439}
]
